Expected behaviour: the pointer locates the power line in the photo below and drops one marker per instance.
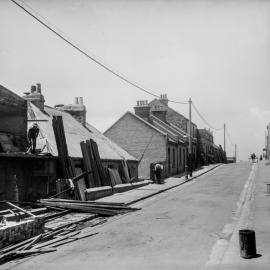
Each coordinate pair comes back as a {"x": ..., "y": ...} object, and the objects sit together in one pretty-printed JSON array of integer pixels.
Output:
[
  {"x": 204, "y": 120},
  {"x": 77, "y": 47}
]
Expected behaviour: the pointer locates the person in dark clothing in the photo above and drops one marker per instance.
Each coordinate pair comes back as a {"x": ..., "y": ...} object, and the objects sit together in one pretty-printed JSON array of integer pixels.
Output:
[
  {"x": 253, "y": 157},
  {"x": 32, "y": 137},
  {"x": 158, "y": 172},
  {"x": 190, "y": 164}
]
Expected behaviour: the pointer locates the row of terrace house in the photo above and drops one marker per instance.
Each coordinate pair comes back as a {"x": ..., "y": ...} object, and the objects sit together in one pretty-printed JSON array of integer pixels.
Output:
[
  {"x": 208, "y": 151},
  {"x": 35, "y": 175},
  {"x": 155, "y": 133}
]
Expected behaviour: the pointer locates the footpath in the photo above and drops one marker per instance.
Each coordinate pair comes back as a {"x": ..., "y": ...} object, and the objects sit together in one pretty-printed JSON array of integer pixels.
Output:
[
  {"x": 256, "y": 216},
  {"x": 138, "y": 194}
]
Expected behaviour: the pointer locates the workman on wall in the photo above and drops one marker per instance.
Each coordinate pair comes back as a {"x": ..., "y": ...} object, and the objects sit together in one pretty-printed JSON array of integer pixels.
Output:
[{"x": 32, "y": 137}]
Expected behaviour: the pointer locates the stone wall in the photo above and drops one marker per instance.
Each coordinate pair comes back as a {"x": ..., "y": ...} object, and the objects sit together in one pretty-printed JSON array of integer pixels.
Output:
[{"x": 15, "y": 232}]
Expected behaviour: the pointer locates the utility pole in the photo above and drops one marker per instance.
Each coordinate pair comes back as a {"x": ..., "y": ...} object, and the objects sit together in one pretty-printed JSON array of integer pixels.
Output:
[
  {"x": 190, "y": 140},
  {"x": 190, "y": 129},
  {"x": 188, "y": 166},
  {"x": 224, "y": 137}
]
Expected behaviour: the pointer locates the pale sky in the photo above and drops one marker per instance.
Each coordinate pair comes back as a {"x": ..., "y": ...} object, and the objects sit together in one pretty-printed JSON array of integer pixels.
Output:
[{"x": 216, "y": 52}]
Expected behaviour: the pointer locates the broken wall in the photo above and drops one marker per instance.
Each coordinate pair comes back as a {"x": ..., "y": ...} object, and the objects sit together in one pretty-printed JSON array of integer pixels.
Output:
[{"x": 35, "y": 177}]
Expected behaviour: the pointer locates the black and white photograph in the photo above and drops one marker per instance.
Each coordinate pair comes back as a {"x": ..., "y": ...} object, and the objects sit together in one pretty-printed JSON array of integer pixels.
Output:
[{"x": 134, "y": 134}]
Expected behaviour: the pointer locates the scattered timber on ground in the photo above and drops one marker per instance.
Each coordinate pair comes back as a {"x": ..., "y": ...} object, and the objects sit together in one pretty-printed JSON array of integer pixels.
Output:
[
  {"x": 18, "y": 208},
  {"x": 56, "y": 215},
  {"x": 87, "y": 202},
  {"x": 49, "y": 240},
  {"x": 22, "y": 253},
  {"x": 88, "y": 207}
]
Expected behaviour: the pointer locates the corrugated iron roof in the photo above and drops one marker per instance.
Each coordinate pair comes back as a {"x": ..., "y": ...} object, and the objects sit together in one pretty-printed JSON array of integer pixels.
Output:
[{"x": 75, "y": 133}]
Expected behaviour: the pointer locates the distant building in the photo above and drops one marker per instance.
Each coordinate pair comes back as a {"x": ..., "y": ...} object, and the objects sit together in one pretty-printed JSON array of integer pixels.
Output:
[
  {"x": 205, "y": 146},
  {"x": 150, "y": 139},
  {"x": 208, "y": 152},
  {"x": 266, "y": 150},
  {"x": 219, "y": 154}
]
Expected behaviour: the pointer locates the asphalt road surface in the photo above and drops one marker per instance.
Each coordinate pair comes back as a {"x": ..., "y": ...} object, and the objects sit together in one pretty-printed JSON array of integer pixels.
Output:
[{"x": 177, "y": 229}]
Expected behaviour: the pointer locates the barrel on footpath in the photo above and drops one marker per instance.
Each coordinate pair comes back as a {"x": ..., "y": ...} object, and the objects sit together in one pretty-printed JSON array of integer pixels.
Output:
[{"x": 247, "y": 243}]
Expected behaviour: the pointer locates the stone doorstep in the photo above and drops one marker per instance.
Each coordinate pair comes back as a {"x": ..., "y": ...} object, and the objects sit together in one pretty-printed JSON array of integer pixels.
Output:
[
  {"x": 92, "y": 194},
  {"x": 126, "y": 187}
]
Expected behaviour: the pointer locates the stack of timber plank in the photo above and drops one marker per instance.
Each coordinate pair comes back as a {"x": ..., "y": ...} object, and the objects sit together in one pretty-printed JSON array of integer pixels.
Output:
[
  {"x": 67, "y": 166},
  {"x": 100, "y": 208},
  {"x": 126, "y": 178},
  {"x": 114, "y": 176},
  {"x": 66, "y": 163},
  {"x": 92, "y": 163}
]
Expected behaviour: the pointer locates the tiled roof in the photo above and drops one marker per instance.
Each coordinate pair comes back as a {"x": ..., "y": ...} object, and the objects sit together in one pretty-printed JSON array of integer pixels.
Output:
[
  {"x": 10, "y": 102},
  {"x": 138, "y": 118},
  {"x": 156, "y": 102},
  {"x": 160, "y": 127},
  {"x": 75, "y": 133},
  {"x": 172, "y": 132},
  {"x": 110, "y": 144}
]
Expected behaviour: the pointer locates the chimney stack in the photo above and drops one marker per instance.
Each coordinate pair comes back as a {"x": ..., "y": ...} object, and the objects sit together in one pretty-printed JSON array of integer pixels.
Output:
[
  {"x": 163, "y": 98},
  {"x": 35, "y": 96},
  {"x": 76, "y": 110},
  {"x": 38, "y": 88},
  {"x": 142, "y": 109},
  {"x": 160, "y": 112},
  {"x": 33, "y": 89}
]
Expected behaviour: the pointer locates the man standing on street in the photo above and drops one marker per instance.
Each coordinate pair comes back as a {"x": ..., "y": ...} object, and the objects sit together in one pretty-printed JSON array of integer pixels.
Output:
[
  {"x": 158, "y": 172},
  {"x": 32, "y": 137}
]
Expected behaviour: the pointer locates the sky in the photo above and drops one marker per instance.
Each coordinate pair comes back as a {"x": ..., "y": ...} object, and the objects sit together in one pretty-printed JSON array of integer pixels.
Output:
[{"x": 214, "y": 52}]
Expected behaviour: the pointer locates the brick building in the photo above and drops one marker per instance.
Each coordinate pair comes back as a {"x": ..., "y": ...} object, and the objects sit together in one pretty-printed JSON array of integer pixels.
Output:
[
  {"x": 176, "y": 119},
  {"x": 151, "y": 139},
  {"x": 205, "y": 146},
  {"x": 208, "y": 152},
  {"x": 266, "y": 150}
]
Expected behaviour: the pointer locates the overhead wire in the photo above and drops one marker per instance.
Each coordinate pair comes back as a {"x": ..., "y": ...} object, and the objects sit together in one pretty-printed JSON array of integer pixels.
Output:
[
  {"x": 72, "y": 43},
  {"x": 204, "y": 120},
  {"x": 58, "y": 32}
]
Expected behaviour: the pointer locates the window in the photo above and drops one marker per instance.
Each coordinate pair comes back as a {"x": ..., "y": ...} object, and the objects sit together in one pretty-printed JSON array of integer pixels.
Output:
[
  {"x": 173, "y": 162},
  {"x": 180, "y": 156}
]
